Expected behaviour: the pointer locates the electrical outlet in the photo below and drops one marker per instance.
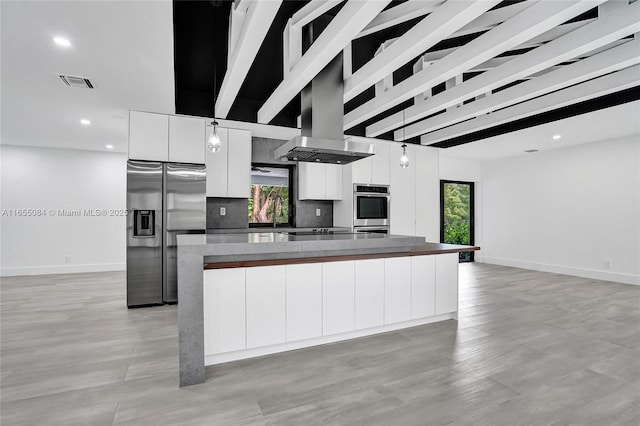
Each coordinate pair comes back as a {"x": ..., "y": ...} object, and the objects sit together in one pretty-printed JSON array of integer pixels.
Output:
[
  {"x": 608, "y": 264},
  {"x": 318, "y": 212},
  {"x": 223, "y": 211},
  {"x": 67, "y": 258}
]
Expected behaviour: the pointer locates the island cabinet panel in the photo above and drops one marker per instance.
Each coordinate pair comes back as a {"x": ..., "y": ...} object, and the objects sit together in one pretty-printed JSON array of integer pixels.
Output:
[
  {"x": 423, "y": 286},
  {"x": 304, "y": 301},
  {"x": 338, "y": 297},
  {"x": 148, "y": 136},
  {"x": 266, "y": 310},
  {"x": 186, "y": 139},
  {"x": 369, "y": 293},
  {"x": 397, "y": 289},
  {"x": 224, "y": 310},
  {"x": 446, "y": 283}
]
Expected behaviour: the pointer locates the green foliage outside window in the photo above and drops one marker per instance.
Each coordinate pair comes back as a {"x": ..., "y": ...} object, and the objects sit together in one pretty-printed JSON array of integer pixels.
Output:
[
  {"x": 264, "y": 199},
  {"x": 457, "y": 219}
]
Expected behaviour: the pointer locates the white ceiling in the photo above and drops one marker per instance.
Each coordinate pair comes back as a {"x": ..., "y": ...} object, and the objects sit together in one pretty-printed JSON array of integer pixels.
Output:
[
  {"x": 124, "y": 47},
  {"x": 606, "y": 124}
]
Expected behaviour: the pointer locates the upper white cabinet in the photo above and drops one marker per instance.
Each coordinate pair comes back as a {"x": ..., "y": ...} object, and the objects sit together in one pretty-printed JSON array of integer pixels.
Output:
[
  {"x": 148, "y": 136},
  {"x": 427, "y": 193},
  {"x": 229, "y": 170},
  {"x": 402, "y": 212},
  {"x": 318, "y": 181},
  {"x": 186, "y": 139},
  {"x": 374, "y": 169}
]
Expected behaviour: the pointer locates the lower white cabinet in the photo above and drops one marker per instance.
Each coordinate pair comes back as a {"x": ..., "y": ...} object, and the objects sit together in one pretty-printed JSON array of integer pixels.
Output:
[
  {"x": 224, "y": 310},
  {"x": 446, "y": 283},
  {"x": 397, "y": 289},
  {"x": 266, "y": 311},
  {"x": 338, "y": 297},
  {"x": 369, "y": 293},
  {"x": 423, "y": 286},
  {"x": 304, "y": 301}
]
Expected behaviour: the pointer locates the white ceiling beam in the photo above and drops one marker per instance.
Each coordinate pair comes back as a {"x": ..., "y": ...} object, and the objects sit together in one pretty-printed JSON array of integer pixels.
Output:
[
  {"x": 312, "y": 10},
  {"x": 351, "y": 19},
  {"x": 439, "y": 24},
  {"x": 492, "y": 18},
  {"x": 602, "y": 31},
  {"x": 591, "y": 89},
  {"x": 535, "y": 20},
  {"x": 608, "y": 61},
  {"x": 406, "y": 11},
  {"x": 255, "y": 25}
]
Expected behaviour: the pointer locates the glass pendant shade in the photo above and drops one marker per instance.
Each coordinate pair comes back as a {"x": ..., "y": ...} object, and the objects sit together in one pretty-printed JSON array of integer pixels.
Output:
[
  {"x": 404, "y": 158},
  {"x": 213, "y": 142}
]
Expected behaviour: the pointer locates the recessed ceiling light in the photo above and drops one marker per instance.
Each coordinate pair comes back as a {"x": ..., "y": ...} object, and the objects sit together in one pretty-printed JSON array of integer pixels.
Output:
[
  {"x": 556, "y": 137},
  {"x": 62, "y": 42},
  {"x": 109, "y": 146},
  {"x": 85, "y": 122}
]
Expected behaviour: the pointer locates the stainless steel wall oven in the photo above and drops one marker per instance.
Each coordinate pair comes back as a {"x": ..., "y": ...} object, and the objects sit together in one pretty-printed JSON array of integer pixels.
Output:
[{"x": 370, "y": 206}]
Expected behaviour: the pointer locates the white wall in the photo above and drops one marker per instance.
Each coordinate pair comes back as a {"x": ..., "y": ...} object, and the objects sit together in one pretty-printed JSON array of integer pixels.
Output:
[
  {"x": 52, "y": 179},
  {"x": 466, "y": 171},
  {"x": 566, "y": 210}
]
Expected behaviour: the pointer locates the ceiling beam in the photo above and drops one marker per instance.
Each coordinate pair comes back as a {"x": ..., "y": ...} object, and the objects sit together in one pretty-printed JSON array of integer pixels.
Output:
[
  {"x": 255, "y": 24},
  {"x": 535, "y": 20},
  {"x": 604, "y": 30},
  {"x": 439, "y": 24},
  {"x": 312, "y": 10},
  {"x": 608, "y": 61},
  {"x": 406, "y": 11},
  {"x": 610, "y": 83},
  {"x": 352, "y": 18}
]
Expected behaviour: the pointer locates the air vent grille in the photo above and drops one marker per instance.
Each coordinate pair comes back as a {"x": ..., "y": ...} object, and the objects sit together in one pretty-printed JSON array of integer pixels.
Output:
[{"x": 74, "y": 81}]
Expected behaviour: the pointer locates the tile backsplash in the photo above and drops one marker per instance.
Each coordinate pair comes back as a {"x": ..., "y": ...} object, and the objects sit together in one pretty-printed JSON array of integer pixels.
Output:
[{"x": 304, "y": 212}]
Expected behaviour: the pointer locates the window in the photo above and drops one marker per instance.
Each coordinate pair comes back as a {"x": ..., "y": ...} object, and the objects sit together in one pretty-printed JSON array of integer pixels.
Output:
[
  {"x": 270, "y": 189},
  {"x": 456, "y": 215}
]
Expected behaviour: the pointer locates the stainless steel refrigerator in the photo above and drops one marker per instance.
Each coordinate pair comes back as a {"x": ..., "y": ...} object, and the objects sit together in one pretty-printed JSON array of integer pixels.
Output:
[{"x": 163, "y": 200}]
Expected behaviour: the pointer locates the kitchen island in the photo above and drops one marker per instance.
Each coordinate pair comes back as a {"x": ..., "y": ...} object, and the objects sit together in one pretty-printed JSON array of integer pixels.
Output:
[{"x": 245, "y": 295}]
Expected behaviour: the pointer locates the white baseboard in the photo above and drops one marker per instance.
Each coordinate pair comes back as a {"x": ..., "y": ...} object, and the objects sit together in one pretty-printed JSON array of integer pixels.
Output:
[
  {"x": 61, "y": 269},
  {"x": 595, "y": 274},
  {"x": 289, "y": 346}
]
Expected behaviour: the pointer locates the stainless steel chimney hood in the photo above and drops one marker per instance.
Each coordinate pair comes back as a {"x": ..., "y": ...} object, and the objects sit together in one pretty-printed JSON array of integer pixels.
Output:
[
  {"x": 322, "y": 116},
  {"x": 318, "y": 150}
]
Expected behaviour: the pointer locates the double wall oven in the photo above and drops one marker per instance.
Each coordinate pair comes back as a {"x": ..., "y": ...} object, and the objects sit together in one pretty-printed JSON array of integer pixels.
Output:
[{"x": 371, "y": 208}]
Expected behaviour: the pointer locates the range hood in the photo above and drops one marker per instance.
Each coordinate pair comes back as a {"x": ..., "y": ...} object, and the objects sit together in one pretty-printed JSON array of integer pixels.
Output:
[
  {"x": 322, "y": 116},
  {"x": 318, "y": 150}
]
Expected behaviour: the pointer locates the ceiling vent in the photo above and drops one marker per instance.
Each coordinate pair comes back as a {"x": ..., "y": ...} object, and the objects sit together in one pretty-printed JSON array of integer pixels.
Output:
[{"x": 73, "y": 81}]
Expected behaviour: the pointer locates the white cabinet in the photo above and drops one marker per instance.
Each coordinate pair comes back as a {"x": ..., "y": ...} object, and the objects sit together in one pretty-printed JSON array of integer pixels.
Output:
[
  {"x": 427, "y": 193},
  {"x": 397, "y": 289},
  {"x": 148, "y": 136},
  {"x": 266, "y": 311},
  {"x": 304, "y": 301},
  {"x": 186, "y": 139},
  {"x": 446, "y": 283},
  {"x": 239, "y": 168},
  {"x": 224, "y": 310},
  {"x": 423, "y": 286},
  {"x": 369, "y": 294},
  {"x": 318, "y": 181},
  {"x": 374, "y": 169},
  {"x": 229, "y": 170},
  {"x": 338, "y": 297},
  {"x": 402, "y": 212}
]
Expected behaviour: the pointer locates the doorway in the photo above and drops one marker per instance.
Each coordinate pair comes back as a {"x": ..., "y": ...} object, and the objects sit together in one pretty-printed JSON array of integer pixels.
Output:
[{"x": 456, "y": 215}]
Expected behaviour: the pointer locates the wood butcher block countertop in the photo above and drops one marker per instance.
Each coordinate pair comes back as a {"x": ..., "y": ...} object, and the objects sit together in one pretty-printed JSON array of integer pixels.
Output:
[{"x": 418, "y": 250}]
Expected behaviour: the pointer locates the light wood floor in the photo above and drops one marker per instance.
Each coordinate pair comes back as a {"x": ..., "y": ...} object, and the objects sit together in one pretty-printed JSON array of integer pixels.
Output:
[{"x": 530, "y": 348}]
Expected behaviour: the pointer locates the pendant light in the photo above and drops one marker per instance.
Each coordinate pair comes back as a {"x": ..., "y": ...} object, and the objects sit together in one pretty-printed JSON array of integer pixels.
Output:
[
  {"x": 213, "y": 142},
  {"x": 404, "y": 158}
]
